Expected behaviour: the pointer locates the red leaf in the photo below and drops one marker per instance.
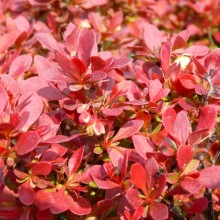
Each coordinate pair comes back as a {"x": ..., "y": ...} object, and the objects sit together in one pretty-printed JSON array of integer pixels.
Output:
[
  {"x": 21, "y": 64},
  {"x": 92, "y": 3},
  {"x": 115, "y": 21},
  {"x": 207, "y": 118},
  {"x": 199, "y": 205},
  {"x": 179, "y": 43},
  {"x": 85, "y": 117},
  {"x": 158, "y": 211},
  {"x": 142, "y": 145},
  {"x": 151, "y": 169},
  {"x": 197, "y": 50},
  {"x": 104, "y": 184},
  {"x": 210, "y": 177},
  {"x": 109, "y": 169},
  {"x": 75, "y": 160},
  {"x": 156, "y": 92},
  {"x": 169, "y": 118},
  {"x": 80, "y": 207},
  {"x": 72, "y": 40},
  {"x": 186, "y": 105},
  {"x": 119, "y": 62},
  {"x": 188, "y": 81},
  {"x": 138, "y": 177},
  {"x": 68, "y": 67},
  {"x": 41, "y": 168},
  {"x": 191, "y": 185},
  {"x": 152, "y": 37},
  {"x": 212, "y": 60},
  {"x": 79, "y": 64},
  {"x": 27, "y": 142},
  {"x": 41, "y": 87},
  {"x": 128, "y": 129},
  {"x": 165, "y": 54},
  {"x": 30, "y": 107},
  {"x": 47, "y": 41},
  {"x": 124, "y": 166},
  {"x": 101, "y": 207},
  {"x": 87, "y": 46},
  {"x": 60, "y": 138},
  {"x": 161, "y": 183},
  {"x": 41, "y": 64},
  {"x": 7, "y": 40},
  {"x": 184, "y": 155},
  {"x": 145, "y": 116},
  {"x": 26, "y": 193},
  {"x": 116, "y": 155},
  {"x": 119, "y": 90},
  {"x": 132, "y": 195},
  {"x": 181, "y": 128},
  {"x": 61, "y": 202},
  {"x": 96, "y": 171},
  {"x": 97, "y": 75},
  {"x": 97, "y": 63},
  {"x": 43, "y": 200},
  {"x": 11, "y": 85},
  {"x": 55, "y": 74},
  {"x": 112, "y": 111},
  {"x": 196, "y": 136},
  {"x": 138, "y": 212}
]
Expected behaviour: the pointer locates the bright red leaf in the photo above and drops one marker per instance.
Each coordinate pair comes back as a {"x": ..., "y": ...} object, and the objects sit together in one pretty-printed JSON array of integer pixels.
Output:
[
  {"x": 27, "y": 142},
  {"x": 184, "y": 155},
  {"x": 169, "y": 118},
  {"x": 75, "y": 160},
  {"x": 138, "y": 177},
  {"x": 41, "y": 168}
]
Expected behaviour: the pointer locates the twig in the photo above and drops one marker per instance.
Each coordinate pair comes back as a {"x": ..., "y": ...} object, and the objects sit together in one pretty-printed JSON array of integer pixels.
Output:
[{"x": 210, "y": 211}]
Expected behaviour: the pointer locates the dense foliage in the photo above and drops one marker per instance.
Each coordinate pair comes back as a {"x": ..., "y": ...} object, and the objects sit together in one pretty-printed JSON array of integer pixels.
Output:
[{"x": 109, "y": 109}]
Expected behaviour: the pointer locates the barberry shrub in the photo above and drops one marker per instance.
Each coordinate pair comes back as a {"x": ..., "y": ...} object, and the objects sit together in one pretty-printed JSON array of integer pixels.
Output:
[{"x": 107, "y": 111}]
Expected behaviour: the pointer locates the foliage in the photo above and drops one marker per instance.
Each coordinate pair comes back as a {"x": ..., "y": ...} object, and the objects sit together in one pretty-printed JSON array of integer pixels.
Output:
[{"x": 109, "y": 109}]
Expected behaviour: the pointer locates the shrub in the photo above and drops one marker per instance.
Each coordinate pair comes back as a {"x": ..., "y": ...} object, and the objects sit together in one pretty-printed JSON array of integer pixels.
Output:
[{"x": 109, "y": 110}]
